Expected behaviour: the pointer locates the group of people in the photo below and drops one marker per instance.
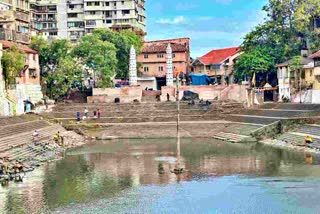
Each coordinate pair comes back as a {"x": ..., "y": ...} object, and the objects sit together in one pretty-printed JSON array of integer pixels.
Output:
[
  {"x": 10, "y": 168},
  {"x": 96, "y": 114}
]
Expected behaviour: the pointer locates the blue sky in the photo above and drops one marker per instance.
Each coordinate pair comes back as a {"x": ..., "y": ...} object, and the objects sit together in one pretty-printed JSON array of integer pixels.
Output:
[{"x": 209, "y": 24}]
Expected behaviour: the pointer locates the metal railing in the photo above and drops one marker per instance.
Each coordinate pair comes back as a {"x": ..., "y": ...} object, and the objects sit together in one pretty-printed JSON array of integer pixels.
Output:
[{"x": 11, "y": 35}]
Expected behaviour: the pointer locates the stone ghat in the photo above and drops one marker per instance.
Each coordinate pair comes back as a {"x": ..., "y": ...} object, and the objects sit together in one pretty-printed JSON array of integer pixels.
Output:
[
  {"x": 223, "y": 130},
  {"x": 142, "y": 112},
  {"x": 18, "y": 147},
  {"x": 296, "y": 136}
]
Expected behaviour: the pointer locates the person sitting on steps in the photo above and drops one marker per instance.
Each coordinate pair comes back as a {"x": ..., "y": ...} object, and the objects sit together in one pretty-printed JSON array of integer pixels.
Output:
[
  {"x": 308, "y": 140},
  {"x": 56, "y": 137}
]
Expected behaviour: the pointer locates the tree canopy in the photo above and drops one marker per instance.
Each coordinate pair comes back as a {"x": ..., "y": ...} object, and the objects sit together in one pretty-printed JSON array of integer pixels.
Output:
[
  {"x": 99, "y": 56},
  {"x": 288, "y": 28},
  {"x": 12, "y": 63},
  {"x": 104, "y": 52}
]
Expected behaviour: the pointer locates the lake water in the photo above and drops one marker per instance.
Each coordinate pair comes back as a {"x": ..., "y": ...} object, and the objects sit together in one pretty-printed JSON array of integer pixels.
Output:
[{"x": 136, "y": 176}]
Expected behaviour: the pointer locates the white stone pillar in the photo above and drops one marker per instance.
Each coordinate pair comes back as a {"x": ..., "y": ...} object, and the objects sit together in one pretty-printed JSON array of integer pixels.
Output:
[
  {"x": 169, "y": 75},
  {"x": 133, "y": 79}
]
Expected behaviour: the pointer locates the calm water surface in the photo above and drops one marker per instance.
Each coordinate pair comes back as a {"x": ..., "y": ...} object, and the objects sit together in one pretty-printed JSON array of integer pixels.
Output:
[{"x": 135, "y": 176}]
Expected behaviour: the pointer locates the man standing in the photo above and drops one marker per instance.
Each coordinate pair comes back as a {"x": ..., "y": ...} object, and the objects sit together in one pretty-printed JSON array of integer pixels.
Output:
[
  {"x": 99, "y": 113},
  {"x": 86, "y": 112}
]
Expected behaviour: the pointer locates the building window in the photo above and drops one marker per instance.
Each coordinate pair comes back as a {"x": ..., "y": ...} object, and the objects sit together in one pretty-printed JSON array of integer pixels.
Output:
[
  {"x": 146, "y": 56},
  {"x": 33, "y": 73},
  {"x": 71, "y": 6},
  {"x": 311, "y": 73},
  {"x": 107, "y": 4},
  {"x": 92, "y": 12},
  {"x": 160, "y": 68},
  {"x": 34, "y": 57},
  {"x": 160, "y": 55},
  {"x": 109, "y": 21},
  {"x": 72, "y": 15},
  {"x": 96, "y": 3},
  {"x": 173, "y": 55},
  {"x": 122, "y": 2},
  {"x": 146, "y": 69},
  {"x": 125, "y": 12}
]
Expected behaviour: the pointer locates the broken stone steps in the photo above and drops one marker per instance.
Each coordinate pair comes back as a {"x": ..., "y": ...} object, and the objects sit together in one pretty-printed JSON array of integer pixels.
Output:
[
  {"x": 22, "y": 154},
  {"x": 230, "y": 137}
]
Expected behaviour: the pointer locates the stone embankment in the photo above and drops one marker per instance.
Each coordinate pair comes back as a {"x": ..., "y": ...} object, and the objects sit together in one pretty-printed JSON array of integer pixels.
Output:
[
  {"x": 156, "y": 120},
  {"x": 19, "y": 148},
  {"x": 290, "y": 124}
]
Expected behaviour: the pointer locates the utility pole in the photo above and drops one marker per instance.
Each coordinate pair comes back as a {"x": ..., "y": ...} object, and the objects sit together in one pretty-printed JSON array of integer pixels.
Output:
[{"x": 178, "y": 170}]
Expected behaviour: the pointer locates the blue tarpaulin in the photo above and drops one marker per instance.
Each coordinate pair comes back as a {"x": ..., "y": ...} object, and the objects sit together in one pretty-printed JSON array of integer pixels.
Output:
[{"x": 200, "y": 79}]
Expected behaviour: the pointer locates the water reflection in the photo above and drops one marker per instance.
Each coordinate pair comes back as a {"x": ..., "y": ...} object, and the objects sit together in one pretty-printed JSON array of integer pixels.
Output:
[{"x": 107, "y": 170}]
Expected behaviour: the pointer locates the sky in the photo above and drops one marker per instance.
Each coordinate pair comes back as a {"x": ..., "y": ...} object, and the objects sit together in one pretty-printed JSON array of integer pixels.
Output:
[{"x": 210, "y": 24}]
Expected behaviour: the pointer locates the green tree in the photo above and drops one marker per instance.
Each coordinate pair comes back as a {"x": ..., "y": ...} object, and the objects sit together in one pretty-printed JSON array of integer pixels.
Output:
[
  {"x": 12, "y": 63},
  {"x": 123, "y": 41},
  {"x": 258, "y": 60},
  {"x": 61, "y": 80},
  {"x": 99, "y": 56},
  {"x": 50, "y": 54},
  {"x": 41, "y": 46}
]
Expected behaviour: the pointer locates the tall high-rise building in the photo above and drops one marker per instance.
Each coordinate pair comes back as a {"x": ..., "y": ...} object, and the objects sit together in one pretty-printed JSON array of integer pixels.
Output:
[
  {"x": 69, "y": 19},
  {"x": 43, "y": 18}
]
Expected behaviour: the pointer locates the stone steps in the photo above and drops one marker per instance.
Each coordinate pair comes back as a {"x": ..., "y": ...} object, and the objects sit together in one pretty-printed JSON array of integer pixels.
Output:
[
  {"x": 234, "y": 138},
  {"x": 26, "y": 138},
  {"x": 4, "y": 121},
  {"x": 22, "y": 154},
  {"x": 7, "y": 131},
  {"x": 309, "y": 130}
]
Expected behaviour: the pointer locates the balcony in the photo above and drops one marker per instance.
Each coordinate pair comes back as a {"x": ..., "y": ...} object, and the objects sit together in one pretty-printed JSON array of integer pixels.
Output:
[
  {"x": 10, "y": 16},
  {"x": 44, "y": 19},
  {"x": 22, "y": 16},
  {"x": 14, "y": 36},
  {"x": 6, "y": 16},
  {"x": 75, "y": 10}
]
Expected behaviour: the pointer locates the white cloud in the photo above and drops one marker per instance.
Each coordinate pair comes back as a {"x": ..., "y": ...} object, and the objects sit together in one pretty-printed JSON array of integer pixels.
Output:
[
  {"x": 185, "y": 6},
  {"x": 174, "y": 21}
]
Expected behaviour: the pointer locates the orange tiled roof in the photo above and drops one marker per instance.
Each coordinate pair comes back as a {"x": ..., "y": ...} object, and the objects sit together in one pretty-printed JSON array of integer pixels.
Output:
[
  {"x": 161, "y": 48},
  {"x": 218, "y": 55},
  {"x": 26, "y": 49}
]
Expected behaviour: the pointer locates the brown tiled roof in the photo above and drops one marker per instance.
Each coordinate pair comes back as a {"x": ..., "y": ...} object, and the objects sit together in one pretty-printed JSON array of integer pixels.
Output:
[
  {"x": 26, "y": 49},
  {"x": 304, "y": 61},
  {"x": 161, "y": 48},
  {"x": 175, "y": 40},
  {"x": 315, "y": 55}
]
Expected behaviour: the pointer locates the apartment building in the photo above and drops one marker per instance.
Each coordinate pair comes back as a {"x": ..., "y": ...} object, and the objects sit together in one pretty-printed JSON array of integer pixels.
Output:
[
  {"x": 15, "y": 21},
  {"x": 44, "y": 18},
  {"x": 72, "y": 19}
]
